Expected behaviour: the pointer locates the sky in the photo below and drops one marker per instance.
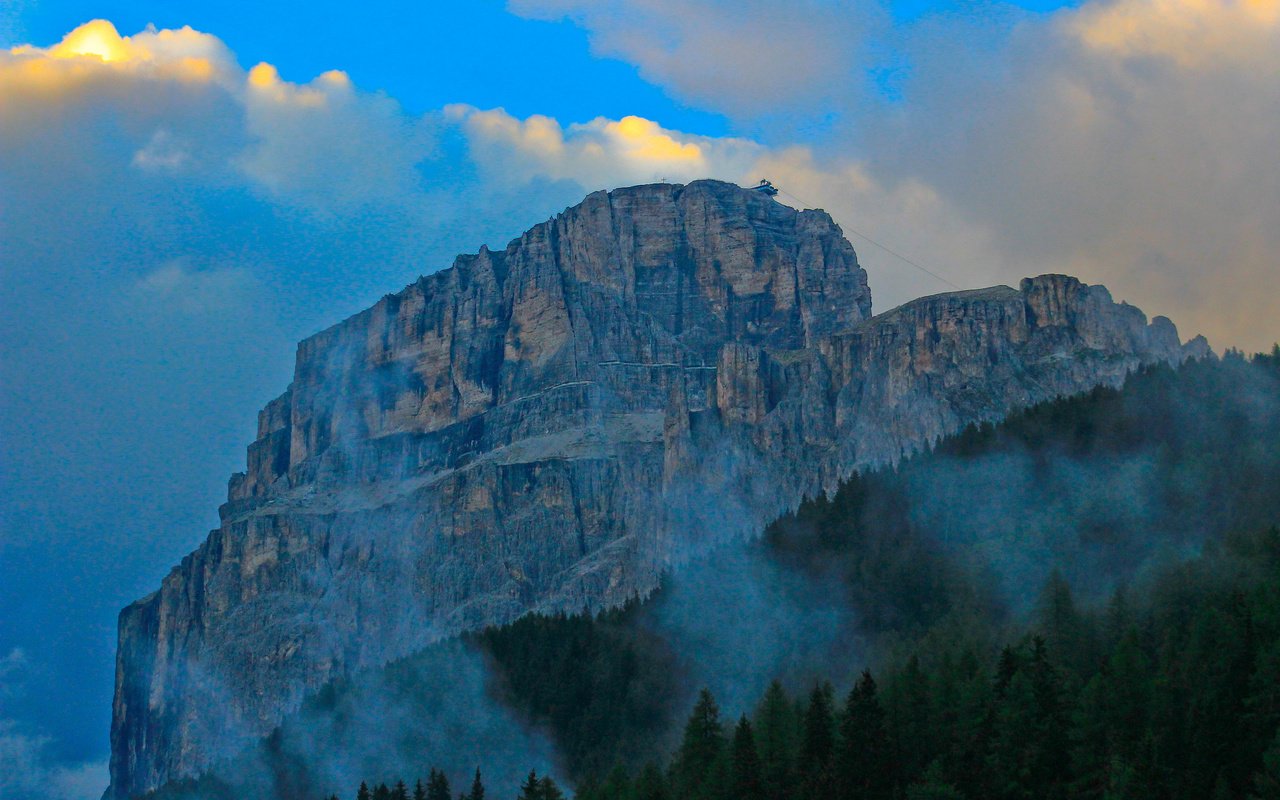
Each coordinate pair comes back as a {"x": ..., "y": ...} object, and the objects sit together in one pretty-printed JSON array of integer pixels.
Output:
[{"x": 189, "y": 188}]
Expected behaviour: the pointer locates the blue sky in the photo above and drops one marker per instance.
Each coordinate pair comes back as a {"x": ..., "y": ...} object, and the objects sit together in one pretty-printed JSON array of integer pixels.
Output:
[
  {"x": 423, "y": 54},
  {"x": 429, "y": 54},
  {"x": 170, "y": 231}
]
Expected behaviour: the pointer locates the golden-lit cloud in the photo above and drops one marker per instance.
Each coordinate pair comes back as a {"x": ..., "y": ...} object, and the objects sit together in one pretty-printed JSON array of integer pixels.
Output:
[
  {"x": 1134, "y": 146},
  {"x": 264, "y": 80},
  {"x": 602, "y": 152},
  {"x": 1191, "y": 33},
  {"x": 182, "y": 54},
  {"x": 644, "y": 140},
  {"x": 182, "y": 101},
  {"x": 95, "y": 38}
]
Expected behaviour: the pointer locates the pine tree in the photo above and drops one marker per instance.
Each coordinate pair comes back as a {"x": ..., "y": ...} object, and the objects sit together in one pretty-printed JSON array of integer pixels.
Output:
[
  {"x": 399, "y": 791},
  {"x": 1051, "y": 770},
  {"x": 917, "y": 732},
  {"x": 588, "y": 789},
  {"x": 745, "y": 780},
  {"x": 777, "y": 738},
  {"x": 438, "y": 786},
  {"x": 381, "y": 792},
  {"x": 864, "y": 765},
  {"x": 617, "y": 785},
  {"x": 1064, "y": 628},
  {"x": 966, "y": 759},
  {"x": 1014, "y": 739},
  {"x": 817, "y": 745},
  {"x": 530, "y": 789},
  {"x": 419, "y": 792},
  {"x": 477, "y": 787},
  {"x": 701, "y": 746},
  {"x": 1118, "y": 620},
  {"x": 1008, "y": 667},
  {"x": 548, "y": 790},
  {"x": 650, "y": 784},
  {"x": 363, "y": 793}
]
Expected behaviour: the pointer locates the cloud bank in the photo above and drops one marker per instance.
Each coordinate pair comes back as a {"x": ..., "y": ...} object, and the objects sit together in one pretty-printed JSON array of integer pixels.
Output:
[
  {"x": 1125, "y": 141},
  {"x": 747, "y": 57},
  {"x": 30, "y": 770}
]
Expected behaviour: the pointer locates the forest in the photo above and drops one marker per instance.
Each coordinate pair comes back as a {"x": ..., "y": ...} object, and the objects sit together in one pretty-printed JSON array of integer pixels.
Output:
[{"x": 1080, "y": 601}]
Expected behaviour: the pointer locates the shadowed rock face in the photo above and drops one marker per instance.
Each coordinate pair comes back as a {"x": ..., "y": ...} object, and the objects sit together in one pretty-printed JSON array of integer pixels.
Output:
[{"x": 550, "y": 426}]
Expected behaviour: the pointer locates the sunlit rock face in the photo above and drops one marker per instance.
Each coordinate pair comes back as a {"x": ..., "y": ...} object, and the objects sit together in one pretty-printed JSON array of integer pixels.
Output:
[{"x": 550, "y": 426}]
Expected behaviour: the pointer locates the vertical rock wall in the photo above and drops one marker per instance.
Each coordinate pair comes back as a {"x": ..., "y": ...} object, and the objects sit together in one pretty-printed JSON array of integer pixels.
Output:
[{"x": 550, "y": 426}]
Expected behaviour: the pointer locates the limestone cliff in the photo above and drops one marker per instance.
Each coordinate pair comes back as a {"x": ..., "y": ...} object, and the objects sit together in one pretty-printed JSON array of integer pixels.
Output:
[{"x": 550, "y": 426}]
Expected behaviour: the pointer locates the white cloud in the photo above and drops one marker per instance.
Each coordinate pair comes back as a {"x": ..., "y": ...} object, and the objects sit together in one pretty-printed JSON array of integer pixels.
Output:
[
  {"x": 11, "y": 666},
  {"x": 751, "y": 57},
  {"x": 85, "y": 781},
  {"x": 599, "y": 153},
  {"x": 29, "y": 773},
  {"x": 1193, "y": 34},
  {"x": 328, "y": 145},
  {"x": 96, "y": 50},
  {"x": 27, "y": 770},
  {"x": 175, "y": 286},
  {"x": 162, "y": 153},
  {"x": 1127, "y": 142}
]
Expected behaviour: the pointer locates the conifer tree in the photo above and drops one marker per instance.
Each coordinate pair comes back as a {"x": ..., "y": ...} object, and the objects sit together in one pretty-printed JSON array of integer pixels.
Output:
[
  {"x": 701, "y": 746},
  {"x": 588, "y": 788},
  {"x": 438, "y": 786},
  {"x": 530, "y": 789},
  {"x": 1052, "y": 766},
  {"x": 916, "y": 731},
  {"x": 1063, "y": 627},
  {"x": 399, "y": 791},
  {"x": 617, "y": 785},
  {"x": 1007, "y": 668},
  {"x": 548, "y": 790},
  {"x": 363, "y": 792},
  {"x": 777, "y": 739},
  {"x": 381, "y": 792},
  {"x": 817, "y": 745},
  {"x": 651, "y": 784},
  {"x": 864, "y": 768},
  {"x": 745, "y": 779},
  {"x": 419, "y": 792},
  {"x": 477, "y": 787}
]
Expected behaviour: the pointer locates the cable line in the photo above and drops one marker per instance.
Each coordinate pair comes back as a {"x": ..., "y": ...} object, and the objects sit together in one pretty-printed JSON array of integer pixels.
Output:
[{"x": 885, "y": 248}]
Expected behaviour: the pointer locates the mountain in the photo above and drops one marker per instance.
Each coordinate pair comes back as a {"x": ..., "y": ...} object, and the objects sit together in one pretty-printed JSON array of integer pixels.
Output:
[
  {"x": 550, "y": 427},
  {"x": 1149, "y": 508}
]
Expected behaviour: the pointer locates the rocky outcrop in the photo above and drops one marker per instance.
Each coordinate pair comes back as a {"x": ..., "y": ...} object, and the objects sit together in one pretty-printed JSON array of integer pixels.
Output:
[{"x": 552, "y": 425}]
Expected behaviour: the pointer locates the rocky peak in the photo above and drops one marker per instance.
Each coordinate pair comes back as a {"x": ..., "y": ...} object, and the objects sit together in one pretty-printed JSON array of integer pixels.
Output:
[{"x": 551, "y": 426}]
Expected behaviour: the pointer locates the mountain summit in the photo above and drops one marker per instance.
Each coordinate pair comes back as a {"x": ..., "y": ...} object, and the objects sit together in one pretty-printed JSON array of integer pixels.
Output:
[{"x": 551, "y": 426}]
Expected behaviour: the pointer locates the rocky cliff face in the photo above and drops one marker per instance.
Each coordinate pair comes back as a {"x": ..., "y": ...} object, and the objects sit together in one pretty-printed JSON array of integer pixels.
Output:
[{"x": 550, "y": 426}]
